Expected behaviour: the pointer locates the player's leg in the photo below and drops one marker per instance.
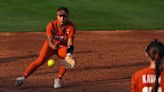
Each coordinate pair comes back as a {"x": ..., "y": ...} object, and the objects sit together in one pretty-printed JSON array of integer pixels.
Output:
[
  {"x": 61, "y": 54},
  {"x": 59, "y": 76},
  {"x": 45, "y": 53}
]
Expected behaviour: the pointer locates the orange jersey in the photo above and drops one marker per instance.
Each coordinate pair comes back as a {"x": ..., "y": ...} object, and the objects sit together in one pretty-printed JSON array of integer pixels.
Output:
[
  {"x": 60, "y": 36},
  {"x": 143, "y": 80}
]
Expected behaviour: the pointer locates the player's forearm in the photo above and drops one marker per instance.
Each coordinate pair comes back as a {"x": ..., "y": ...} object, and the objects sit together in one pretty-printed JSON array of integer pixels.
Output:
[
  {"x": 70, "y": 43},
  {"x": 50, "y": 42},
  {"x": 70, "y": 46}
]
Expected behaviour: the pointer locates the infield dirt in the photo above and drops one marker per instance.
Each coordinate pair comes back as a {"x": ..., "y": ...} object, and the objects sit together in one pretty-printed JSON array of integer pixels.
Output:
[{"x": 105, "y": 61}]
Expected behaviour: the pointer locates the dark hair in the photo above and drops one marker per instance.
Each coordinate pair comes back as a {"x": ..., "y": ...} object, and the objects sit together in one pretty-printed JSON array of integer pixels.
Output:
[
  {"x": 155, "y": 51},
  {"x": 63, "y": 8}
]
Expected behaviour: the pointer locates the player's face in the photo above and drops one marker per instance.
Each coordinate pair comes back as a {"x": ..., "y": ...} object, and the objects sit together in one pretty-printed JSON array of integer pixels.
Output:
[{"x": 62, "y": 17}]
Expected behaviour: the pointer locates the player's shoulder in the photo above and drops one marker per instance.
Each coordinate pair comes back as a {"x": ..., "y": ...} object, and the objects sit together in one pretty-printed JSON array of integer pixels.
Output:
[
  {"x": 141, "y": 71},
  {"x": 52, "y": 23}
]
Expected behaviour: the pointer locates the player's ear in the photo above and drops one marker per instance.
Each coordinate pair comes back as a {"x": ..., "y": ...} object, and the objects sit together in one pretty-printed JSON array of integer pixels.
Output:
[{"x": 147, "y": 56}]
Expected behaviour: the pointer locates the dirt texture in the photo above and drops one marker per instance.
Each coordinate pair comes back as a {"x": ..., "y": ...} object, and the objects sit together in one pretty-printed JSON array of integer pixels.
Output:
[{"x": 106, "y": 61}]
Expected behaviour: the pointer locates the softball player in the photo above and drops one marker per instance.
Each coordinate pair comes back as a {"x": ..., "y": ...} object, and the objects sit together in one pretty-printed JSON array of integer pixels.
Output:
[
  {"x": 60, "y": 36},
  {"x": 151, "y": 79}
]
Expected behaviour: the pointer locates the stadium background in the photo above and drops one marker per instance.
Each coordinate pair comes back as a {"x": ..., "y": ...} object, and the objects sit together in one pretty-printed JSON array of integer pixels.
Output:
[{"x": 30, "y": 15}]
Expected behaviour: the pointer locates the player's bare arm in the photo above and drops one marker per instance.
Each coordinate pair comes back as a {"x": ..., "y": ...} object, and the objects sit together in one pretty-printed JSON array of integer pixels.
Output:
[
  {"x": 50, "y": 42},
  {"x": 70, "y": 42}
]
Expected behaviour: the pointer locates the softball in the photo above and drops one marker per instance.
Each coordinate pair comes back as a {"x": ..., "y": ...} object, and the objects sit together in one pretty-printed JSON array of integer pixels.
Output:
[{"x": 50, "y": 63}]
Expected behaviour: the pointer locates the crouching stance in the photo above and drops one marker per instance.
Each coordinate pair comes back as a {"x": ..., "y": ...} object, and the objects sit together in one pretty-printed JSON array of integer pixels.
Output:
[{"x": 60, "y": 36}]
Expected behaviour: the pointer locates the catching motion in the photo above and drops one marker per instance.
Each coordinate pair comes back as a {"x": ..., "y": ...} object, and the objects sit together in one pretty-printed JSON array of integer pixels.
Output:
[{"x": 60, "y": 38}]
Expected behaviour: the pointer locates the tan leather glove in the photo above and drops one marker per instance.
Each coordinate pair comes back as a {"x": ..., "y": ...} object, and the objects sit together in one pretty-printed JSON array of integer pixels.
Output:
[{"x": 69, "y": 61}]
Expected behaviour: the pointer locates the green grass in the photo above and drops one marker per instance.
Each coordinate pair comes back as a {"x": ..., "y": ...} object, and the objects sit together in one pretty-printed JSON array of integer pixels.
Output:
[{"x": 33, "y": 15}]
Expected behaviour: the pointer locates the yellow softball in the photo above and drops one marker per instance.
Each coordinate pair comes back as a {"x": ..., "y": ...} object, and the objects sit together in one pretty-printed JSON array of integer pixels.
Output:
[{"x": 51, "y": 62}]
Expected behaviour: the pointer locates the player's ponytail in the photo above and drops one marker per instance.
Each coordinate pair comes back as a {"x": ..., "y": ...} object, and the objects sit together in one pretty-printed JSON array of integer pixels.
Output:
[
  {"x": 157, "y": 72},
  {"x": 155, "y": 51}
]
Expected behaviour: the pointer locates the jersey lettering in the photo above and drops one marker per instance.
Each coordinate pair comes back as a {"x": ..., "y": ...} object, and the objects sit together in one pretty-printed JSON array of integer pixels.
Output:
[{"x": 150, "y": 78}]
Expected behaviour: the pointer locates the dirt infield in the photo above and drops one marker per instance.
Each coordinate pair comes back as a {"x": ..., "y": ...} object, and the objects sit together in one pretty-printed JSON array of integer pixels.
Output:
[{"x": 105, "y": 61}]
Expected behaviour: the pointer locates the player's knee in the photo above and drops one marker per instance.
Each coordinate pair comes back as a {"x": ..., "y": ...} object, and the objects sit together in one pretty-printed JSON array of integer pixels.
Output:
[{"x": 62, "y": 52}]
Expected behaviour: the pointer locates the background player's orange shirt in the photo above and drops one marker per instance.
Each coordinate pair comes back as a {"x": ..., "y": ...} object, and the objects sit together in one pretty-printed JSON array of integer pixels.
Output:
[
  {"x": 143, "y": 80},
  {"x": 68, "y": 32}
]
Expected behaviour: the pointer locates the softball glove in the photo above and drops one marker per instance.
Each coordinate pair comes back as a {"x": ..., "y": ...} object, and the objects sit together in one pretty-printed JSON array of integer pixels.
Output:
[{"x": 69, "y": 62}]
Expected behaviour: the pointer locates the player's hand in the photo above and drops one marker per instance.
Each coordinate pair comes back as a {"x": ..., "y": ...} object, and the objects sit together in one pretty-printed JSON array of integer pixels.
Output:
[
  {"x": 69, "y": 61},
  {"x": 51, "y": 43},
  {"x": 52, "y": 46}
]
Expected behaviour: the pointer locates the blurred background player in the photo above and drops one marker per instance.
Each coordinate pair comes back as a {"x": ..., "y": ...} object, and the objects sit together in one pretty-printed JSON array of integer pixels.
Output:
[
  {"x": 60, "y": 36},
  {"x": 151, "y": 79}
]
